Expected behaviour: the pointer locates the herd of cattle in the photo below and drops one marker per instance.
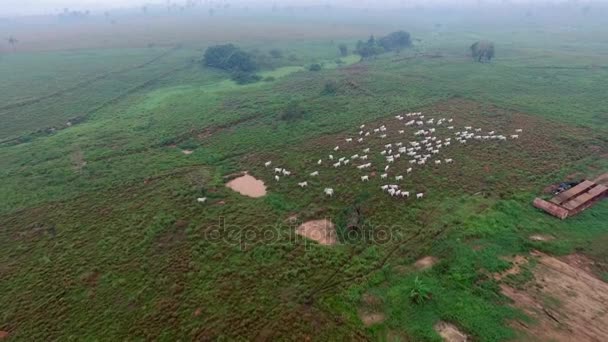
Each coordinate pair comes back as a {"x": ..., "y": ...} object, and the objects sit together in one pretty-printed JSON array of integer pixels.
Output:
[{"x": 425, "y": 147}]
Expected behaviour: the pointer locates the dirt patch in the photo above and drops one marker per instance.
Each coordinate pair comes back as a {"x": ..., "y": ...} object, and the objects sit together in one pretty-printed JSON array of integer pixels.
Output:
[
  {"x": 187, "y": 152},
  {"x": 248, "y": 185},
  {"x": 3, "y": 334},
  {"x": 371, "y": 318},
  {"x": 602, "y": 179},
  {"x": 541, "y": 237},
  {"x": 567, "y": 302},
  {"x": 426, "y": 262},
  {"x": 450, "y": 333},
  {"x": 321, "y": 231},
  {"x": 518, "y": 261}
]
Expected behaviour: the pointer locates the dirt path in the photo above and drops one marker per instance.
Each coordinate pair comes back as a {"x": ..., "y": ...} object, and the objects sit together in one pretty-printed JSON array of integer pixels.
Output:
[{"x": 567, "y": 302}]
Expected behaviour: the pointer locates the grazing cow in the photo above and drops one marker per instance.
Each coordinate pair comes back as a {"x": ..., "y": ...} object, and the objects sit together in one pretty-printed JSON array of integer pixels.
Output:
[
  {"x": 386, "y": 168},
  {"x": 391, "y": 191},
  {"x": 477, "y": 129},
  {"x": 331, "y": 157},
  {"x": 468, "y": 128},
  {"x": 337, "y": 164},
  {"x": 329, "y": 192},
  {"x": 422, "y": 162},
  {"x": 448, "y": 161},
  {"x": 360, "y": 140},
  {"x": 437, "y": 162},
  {"x": 412, "y": 161},
  {"x": 405, "y": 194},
  {"x": 286, "y": 173},
  {"x": 383, "y": 152},
  {"x": 336, "y": 148},
  {"x": 201, "y": 199},
  {"x": 450, "y": 127},
  {"x": 383, "y": 136},
  {"x": 519, "y": 130},
  {"x": 360, "y": 132},
  {"x": 409, "y": 169},
  {"x": 314, "y": 174},
  {"x": 435, "y": 151},
  {"x": 267, "y": 164},
  {"x": 320, "y": 162},
  {"x": 349, "y": 139},
  {"x": 401, "y": 131},
  {"x": 367, "y": 134},
  {"x": 278, "y": 170},
  {"x": 341, "y": 159},
  {"x": 303, "y": 184},
  {"x": 384, "y": 187},
  {"x": 514, "y": 136},
  {"x": 388, "y": 145},
  {"x": 419, "y": 195},
  {"x": 363, "y": 157},
  {"x": 364, "y": 178},
  {"x": 362, "y": 126},
  {"x": 398, "y": 178},
  {"x": 383, "y": 176},
  {"x": 276, "y": 177},
  {"x": 450, "y": 120},
  {"x": 346, "y": 161},
  {"x": 447, "y": 143},
  {"x": 366, "y": 150}
]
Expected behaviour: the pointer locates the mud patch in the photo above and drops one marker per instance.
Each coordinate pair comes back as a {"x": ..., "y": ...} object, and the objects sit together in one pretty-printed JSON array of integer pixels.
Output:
[
  {"x": 450, "y": 333},
  {"x": 541, "y": 237},
  {"x": 248, "y": 185},
  {"x": 566, "y": 301},
  {"x": 321, "y": 231},
  {"x": 426, "y": 262}
]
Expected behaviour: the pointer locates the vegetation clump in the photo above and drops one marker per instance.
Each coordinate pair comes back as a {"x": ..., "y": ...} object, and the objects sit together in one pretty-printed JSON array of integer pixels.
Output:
[
  {"x": 315, "y": 67},
  {"x": 482, "y": 51},
  {"x": 419, "y": 293},
  {"x": 330, "y": 88},
  {"x": 393, "y": 42},
  {"x": 292, "y": 111},
  {"x": 231, "y": 58}
]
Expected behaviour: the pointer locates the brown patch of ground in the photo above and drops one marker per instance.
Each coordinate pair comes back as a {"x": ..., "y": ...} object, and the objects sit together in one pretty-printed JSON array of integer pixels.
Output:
[
  {"x": 450, "y": 333},
  {"x": 518, "y": 261},
  {"x": 541, "y": 237},
  {"x": 3, "y": 334},
  {"x": 567, "y": 302},
  {"x": 602, "y": 179},
  {"x": 426, "y": 262},
  {"x": 321, "y": 231},
  {"x": 371, "y": 318},
  {"x": 248, "y": 185}
]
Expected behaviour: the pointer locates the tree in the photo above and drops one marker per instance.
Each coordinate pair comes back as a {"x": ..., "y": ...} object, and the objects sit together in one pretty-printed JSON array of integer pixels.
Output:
[
  {"x": 343, "y": 50},
  {"x": 12, "y": 41},
  {"x": 229, "y": 57},
  {"x": 276, "y": 53},
  {"x": 396, "y": 41},
  {"x": 315, "y": 67},
  {"x": 482, "y": 51}
]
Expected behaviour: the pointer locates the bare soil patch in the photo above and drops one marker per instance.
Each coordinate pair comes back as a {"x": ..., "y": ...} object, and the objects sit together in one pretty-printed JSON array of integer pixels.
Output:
[
  {"x": 3, "y": 334},
  {"x": 371, "y": 318},
  {"x": 426, "y": 262},
  {"x": 321, "y": 231},
  {"x": 518, "y": 261},
  {"x": 541, "y": 237},
  {"x": 248, "y": 185},
  {"x": 567, "y": 302},
  {"x": 450, "y": 333}
]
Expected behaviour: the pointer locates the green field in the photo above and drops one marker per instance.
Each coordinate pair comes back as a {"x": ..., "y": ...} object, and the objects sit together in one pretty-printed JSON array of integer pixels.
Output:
[{"x": 102, "y": 237}]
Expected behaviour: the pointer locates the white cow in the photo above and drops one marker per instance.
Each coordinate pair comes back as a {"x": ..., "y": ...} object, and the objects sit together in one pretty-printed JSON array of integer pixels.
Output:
[
  {"x": 201, "y": 199},
  {"x": 303, "y": 184},
  {"x": 364, "y": 178},
  {"x": 276, "y": 177},
  {"x": 336, "y": 148},
  {"x": 398, "y": 178},
  {"x": 286, "y": 173},
  {"x": 314, "y": 174},
  {"x": 278, "y": 170},
  {"x": 383, "y": 176},
  {"x": 329, "y": 192},
  {"x": 331, "y": 157},
  {"x": 519, "y": 130},
  {"x": 366, "y": 150},
  {"x": 267, "y": 164},
  {"x": 363, "y": 157},
  {"x": 448, "y": 161},
  {"x": 409, "y": 169},
  {"x": 337, "y": 164},
  {"x": 514, "y": 136},
  {"x": 320, "y": 162},
  {"x": 437, "y": 162},
  {"x": 419, "y": 195},
  {"x": 405, "y": 194},
  {"x": 349, "y": 139}
]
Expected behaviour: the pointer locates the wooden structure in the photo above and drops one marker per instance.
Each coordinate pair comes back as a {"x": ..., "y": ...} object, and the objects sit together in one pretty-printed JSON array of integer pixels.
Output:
[{"x": 573, "y": 200}]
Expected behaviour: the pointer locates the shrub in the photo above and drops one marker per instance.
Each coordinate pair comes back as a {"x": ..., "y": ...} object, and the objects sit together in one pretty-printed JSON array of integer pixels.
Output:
[
  {"x": 330, "y": 88},
  {"x": 293, "y": 111},
  {"x": 241, "y": 77},
  {"x": 229, "y": 57},
  {"x": 395, "y": 41},
  {"x": 315, "y": 67},
  {"x": 343, "y": 50},
  {"x": 483, "y": 50},
  {"x": 419, "y": 293},
  {"x": 276, "y": 53}
]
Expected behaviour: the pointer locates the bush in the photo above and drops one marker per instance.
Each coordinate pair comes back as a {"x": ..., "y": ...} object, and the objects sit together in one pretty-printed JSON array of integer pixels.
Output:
[
  {"x": 419, "y": 293},
  {"x": 395, "y": 41},
  {"x": 229, "y": 57},
  {"x": 315, "y": 67},
  {"x": 330, "y": 88},
  {"x": 293, "y": 111},
  {"x": 241, "y": 77},
  {"x": 343, "y": 50},
  {"x": 483, "y": 50},
  {"x": 276, "y": 53}
]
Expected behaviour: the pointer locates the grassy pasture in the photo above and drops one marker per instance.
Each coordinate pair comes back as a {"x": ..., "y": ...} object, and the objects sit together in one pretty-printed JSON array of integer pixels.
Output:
[{"x": 101, "y": 232}]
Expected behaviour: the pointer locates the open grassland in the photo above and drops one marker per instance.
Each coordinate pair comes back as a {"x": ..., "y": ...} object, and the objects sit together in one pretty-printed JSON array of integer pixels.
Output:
[{"x": 101, "y": 231}]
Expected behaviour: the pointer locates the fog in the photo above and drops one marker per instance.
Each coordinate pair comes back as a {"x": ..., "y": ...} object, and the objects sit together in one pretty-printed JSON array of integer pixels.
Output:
[{"x": 38, "y": 7}]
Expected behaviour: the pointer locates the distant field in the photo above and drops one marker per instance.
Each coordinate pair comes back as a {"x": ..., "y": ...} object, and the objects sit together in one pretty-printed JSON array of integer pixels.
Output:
[{"x": 101, "y": 231}]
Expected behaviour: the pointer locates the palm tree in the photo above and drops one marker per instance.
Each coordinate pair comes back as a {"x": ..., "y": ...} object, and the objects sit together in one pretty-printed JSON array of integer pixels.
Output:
[{"x": 12, "y": 41}]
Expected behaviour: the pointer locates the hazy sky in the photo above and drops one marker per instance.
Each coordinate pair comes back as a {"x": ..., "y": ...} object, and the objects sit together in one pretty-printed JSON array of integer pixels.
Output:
[{"x": 24, "y": 7}]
